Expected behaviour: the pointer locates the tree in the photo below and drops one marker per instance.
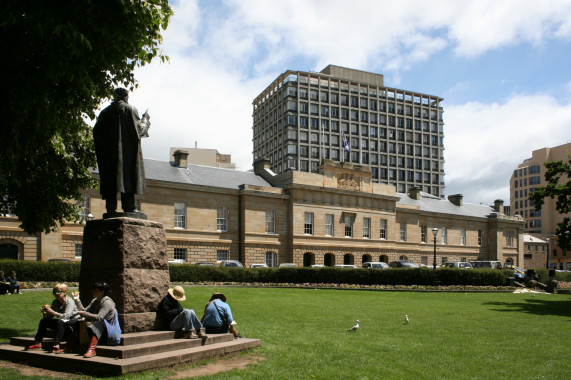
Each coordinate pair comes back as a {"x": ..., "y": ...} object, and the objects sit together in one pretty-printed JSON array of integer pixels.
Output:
[
  {"x": 61, "y": 60},
  {"x": 561, "y": 191}
]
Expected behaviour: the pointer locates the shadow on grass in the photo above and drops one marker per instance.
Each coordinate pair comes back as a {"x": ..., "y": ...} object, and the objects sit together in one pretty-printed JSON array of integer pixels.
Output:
[
  {"x": 536, "y": 306},
  {"x": 6, "y": 334}
]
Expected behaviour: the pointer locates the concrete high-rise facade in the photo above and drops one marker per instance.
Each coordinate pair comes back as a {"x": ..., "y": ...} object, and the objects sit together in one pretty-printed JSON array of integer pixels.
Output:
[
  {"x": 348, "y": 115},
  {"x": 529, "y": 175}
]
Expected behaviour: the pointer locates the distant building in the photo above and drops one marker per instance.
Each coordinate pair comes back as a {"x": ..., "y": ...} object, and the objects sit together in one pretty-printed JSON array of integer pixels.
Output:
[
  {"x": 336, "y": 216},
  {"x": 302, "y": 118},
  {"x": 529, "y": 175},
  {"x": 534, "y": 252},
  {"x": 205, "y": 157}
]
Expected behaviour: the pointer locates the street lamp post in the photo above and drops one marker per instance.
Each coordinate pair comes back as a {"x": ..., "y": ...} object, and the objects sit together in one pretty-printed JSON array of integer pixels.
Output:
[
  {"x": 434, "y": 233},
  {"x": 548, "y": 252}
]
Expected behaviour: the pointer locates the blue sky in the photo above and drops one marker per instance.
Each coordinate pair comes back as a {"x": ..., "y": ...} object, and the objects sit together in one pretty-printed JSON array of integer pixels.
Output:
[{"x": 502, "y": 67}]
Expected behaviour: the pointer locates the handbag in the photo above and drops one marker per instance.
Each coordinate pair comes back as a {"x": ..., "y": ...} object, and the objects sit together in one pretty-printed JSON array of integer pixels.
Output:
[{"x": 113, "y": 331}]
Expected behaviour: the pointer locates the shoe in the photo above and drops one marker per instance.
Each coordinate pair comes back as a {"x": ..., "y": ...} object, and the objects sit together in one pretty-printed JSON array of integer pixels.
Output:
[
  {"x": 56, "y": 350},
  {"x": 238, "y": 336},
  {"x": 34, "y": 346},
  {"x": 201, "y": 333},
  {"x": 191, "y": 334}
]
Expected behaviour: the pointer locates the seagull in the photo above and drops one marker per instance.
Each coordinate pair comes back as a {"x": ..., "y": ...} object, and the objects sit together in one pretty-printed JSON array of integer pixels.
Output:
[
  {"x": 354, "y": 327},
  {"x": 406, "y": 319}
]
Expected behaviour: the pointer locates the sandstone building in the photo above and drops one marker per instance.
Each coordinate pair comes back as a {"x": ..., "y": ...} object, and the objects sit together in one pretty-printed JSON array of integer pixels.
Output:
[
  {"x": 337, "y": 216},
  {"x": 302, "y": 118}
]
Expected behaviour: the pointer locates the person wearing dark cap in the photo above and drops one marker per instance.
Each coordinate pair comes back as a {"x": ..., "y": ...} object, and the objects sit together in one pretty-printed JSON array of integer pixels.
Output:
[
  {"x": 174, "y": 317},
  {"x": 217, "y": 317}
]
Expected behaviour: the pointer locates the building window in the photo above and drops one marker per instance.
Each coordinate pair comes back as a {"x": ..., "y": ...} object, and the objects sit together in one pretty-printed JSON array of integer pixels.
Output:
[
  {"x": 271, "y": 259},
  {"x": 179, "y": 215},
  {"x": 423, "y": 234},
  {"x": 222, "y": 219},
  {"x": 348, "y": 226},
  {"x": 367, "y": 228},
  {"x": 329, "y": 225},
  {"x": 270, "y": 222},
  {"x": 462, "y": 236},
  {"x": 222, "y": 254},
  {"x": 479, "y": 238},
  {"x": 424, "y": 260},
  {"x": 84, "y": 206},
  {"x": 308, "y": 225},
  {"x": 403, "y": 232},
  {"x": 509, "y": 239},
  {"x": 78, "y": 251},
  {"x": 180, "y": 254},
  {"x": 383, "y": 229}
]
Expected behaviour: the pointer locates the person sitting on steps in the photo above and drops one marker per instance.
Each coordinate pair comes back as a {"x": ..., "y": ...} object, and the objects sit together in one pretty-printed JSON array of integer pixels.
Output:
[
  {"x": 217, "y": 317},
  {"x": 174, "y": 317},
  {"x": 99, "y": 310}
]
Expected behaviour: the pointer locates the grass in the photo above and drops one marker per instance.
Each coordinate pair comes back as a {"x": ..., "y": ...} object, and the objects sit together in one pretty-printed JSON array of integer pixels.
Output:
[{"x": 304, "y": 333}]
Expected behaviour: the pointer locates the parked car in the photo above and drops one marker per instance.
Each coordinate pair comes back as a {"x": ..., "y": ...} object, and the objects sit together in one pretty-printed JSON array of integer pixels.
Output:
[
  {"x": 457, "y": 264},
  {"x": 346, "y": 266},
  {"x": 287, "y": 265},
  {"x": 486, "y": 264},
  {"x": 229, "y": 263},
  {"x": 317, "y": 266},
  {"x": 205, "y": 264},
  {"x": 519, "y": 273},
  {"x": 375, "y": 265},
  {"x": 403, "y": 264},
  {"x": 258, "y": 266},
  {"x": 177, "y": 261}
]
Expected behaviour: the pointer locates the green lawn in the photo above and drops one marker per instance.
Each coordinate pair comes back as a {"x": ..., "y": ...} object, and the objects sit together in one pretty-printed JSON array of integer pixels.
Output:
[{"x": 304, "y": 333}]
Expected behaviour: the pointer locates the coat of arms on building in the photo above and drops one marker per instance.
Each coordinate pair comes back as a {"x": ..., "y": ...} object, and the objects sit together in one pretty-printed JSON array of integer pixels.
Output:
[{"x": 347, "y": 182}]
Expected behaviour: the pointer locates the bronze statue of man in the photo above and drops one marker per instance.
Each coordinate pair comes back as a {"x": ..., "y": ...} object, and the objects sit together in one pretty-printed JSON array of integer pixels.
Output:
[{"x": 117, "y": 136}]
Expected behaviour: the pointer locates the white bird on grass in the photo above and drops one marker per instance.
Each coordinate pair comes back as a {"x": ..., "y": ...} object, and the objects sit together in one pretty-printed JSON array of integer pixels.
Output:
[
  {"x": 354, "y": 328},
  {"x": 406, "y": 319}
]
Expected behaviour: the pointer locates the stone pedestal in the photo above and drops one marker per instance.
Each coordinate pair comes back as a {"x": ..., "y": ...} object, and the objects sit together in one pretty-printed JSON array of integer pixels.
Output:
[{"x": 131, "y": 256}]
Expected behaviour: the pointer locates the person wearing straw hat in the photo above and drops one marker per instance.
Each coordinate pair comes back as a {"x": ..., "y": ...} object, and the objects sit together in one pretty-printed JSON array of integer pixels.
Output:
[{"x": 174, "y": 317}]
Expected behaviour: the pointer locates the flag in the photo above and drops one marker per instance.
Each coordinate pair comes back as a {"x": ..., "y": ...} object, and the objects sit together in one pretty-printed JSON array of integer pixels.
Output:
[{"x": 346, "y": 143}]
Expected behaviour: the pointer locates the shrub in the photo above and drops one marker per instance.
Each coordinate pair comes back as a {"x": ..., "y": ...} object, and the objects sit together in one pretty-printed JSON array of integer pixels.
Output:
[{"x": 41, "y": 270}]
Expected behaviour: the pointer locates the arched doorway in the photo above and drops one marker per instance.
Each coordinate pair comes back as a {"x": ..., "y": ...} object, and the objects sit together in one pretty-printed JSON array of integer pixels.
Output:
[
  {"x": 403, "y": 258},
  {"x": 308, "y": 259},
  {"x": 348, "y": 259},
  {"x": 384, "y": 259},
  {"x": 509, "y": 261},
  {"x": 8, "y": 251},
  {"x": 366, "y": 259},
  {"x": 328, "y": 260}
]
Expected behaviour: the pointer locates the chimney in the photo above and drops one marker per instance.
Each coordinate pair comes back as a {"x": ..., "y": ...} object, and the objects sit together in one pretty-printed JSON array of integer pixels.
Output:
[
  {"x": 499, "y": 206},
  {"x": 260, "y": 164},
  {"x": 456, "y": 199},
  {"x": 181, "y": 158},
  {"x": 414, "y": 192}
]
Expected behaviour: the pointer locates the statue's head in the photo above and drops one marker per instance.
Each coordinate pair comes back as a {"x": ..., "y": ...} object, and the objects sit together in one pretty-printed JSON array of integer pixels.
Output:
[{"x": 121, "y": 94}]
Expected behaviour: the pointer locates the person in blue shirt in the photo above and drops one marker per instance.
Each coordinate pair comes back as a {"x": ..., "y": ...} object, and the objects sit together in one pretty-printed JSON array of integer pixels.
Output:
[
  {"x": 217, "y": 317},
  {"x": 14, "y": 287}
]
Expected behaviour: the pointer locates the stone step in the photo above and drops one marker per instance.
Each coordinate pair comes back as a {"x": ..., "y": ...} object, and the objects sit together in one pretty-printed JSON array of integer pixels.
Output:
[
  {"x": 101, "y": 365},
  {"x": 149, "y": 343}
]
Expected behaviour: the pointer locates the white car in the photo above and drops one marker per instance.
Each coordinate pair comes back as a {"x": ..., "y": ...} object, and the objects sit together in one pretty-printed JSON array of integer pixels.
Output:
[
  {"x": 347, "y": 266},
  {"x": 287, "y": 265},
  {"x": 258, "y": 266},
  {"x": 458, "y": 264},
  {"x": 375, "y": 265}
]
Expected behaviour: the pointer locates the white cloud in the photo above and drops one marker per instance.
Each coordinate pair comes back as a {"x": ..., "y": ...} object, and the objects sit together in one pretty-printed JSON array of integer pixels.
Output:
[
  {"x": 225, "y": 53},
  {"x": 485, "y": 142}
]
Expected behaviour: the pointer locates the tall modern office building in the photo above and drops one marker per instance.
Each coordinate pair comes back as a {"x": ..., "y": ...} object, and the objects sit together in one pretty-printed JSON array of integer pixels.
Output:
[
  {"x": 349, "y": 116},
  {"x": 525, "y": 178}
]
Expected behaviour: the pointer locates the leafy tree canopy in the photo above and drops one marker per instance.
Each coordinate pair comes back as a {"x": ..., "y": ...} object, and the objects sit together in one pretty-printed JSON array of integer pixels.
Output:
[
  {"x": 559, "y": 190},
  {"x": 61, "y": 60}
]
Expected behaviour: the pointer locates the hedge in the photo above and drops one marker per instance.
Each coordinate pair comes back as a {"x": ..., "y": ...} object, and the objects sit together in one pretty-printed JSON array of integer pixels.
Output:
[{"x": 69, "y": 272}]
